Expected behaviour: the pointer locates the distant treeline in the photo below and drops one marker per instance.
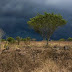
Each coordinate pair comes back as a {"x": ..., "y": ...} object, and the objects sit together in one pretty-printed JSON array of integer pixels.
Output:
[
  {"x": 69, "y": 39},
  {"x": 18, "y": 38}
]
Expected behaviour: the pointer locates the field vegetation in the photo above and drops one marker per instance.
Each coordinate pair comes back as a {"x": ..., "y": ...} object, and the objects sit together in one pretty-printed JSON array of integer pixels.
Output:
[{"x": 34, "y": 56}]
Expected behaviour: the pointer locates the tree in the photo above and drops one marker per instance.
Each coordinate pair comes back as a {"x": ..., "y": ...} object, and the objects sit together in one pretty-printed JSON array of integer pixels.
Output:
[
  {"x": 69, "y": 39},
  {"x": 46, "y": 24},
  {"x": 62, "y": 39},
  {"x": 27, "y": 40},
  {"x": 18, "y": 39},
  {"x": 10, "y": 40}
]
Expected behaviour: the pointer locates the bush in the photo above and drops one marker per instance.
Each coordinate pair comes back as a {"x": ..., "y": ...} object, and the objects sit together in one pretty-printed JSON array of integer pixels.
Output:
[
  {"x": 27, "y": 40},
  {"x": 11, "y": 40},
  {"x": 3, "y": 40},
  {"x": 22, "y": 39},
  {"x": 62, "y": 39},
  {"x": 69, "y": 39},
  {"x": 18, "y": 39}
]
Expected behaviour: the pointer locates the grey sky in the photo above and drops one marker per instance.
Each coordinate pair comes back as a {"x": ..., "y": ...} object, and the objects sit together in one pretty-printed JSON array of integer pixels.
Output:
[
  {"x": 15, "y": 13},
  {"x": 20, "y": 4}
]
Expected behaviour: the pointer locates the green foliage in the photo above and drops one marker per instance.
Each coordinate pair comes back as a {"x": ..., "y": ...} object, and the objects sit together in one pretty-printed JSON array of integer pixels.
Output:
[
  {"x": 62, "y": 39},
  {"x": 46, "y": 24},
  {"x": 18, "y": 39},
  {"x": 11, "y": 40},
  {"x": 3, "y": 40},
  {"x": 22, "y": 39},
  {"x": 28, "y": 38},
  {"x": 69, "y": 39}
]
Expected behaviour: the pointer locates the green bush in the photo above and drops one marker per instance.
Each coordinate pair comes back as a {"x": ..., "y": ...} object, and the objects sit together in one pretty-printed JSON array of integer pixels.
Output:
[
  {"x": 18, "y": 39},
  {"x": 3, "y": 40},
  {"x": 28, "y": 38},
  {"x": 62, "y": 39},
  {"x": 11, "y": 40},
  {"x": 22, "y": 39},
  {"x": 69, "y": 39}
]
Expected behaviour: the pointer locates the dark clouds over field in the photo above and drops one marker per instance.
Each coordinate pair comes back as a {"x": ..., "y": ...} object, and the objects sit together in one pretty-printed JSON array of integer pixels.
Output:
[{"x": 15, "y": 13}]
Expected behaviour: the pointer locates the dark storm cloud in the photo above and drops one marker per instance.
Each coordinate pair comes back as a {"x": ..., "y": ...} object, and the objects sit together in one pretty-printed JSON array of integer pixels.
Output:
[
  {"x": 14, "y": 14},
  {"x": 12, "y": 9},
  {"x": 32, "y": 6}
]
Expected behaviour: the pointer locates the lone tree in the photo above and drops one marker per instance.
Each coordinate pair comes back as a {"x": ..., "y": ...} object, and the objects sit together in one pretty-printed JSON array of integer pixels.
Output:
[{"x": 46, "y": 24}]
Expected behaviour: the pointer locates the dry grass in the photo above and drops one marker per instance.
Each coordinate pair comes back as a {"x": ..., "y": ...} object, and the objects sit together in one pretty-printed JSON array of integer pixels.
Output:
[{"x": 36, "y": 58}]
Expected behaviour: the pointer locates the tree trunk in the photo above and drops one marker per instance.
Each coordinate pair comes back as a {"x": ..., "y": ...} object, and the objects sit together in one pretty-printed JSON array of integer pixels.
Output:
[
  {"x": 47, "y": 42},
  {"x": 18, "y": 42}
]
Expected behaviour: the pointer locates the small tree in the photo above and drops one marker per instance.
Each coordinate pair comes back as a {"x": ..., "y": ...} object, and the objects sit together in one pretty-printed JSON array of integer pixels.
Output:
[
  {"x": 22, "y": 39},
  {"x": 18, "y": 39},
  {"x": 10, "y": 40},
  {"x": 62, "y": 39},
  {"x": 27, "y": 40},
  {"x": 69, "y": 39},
  {"x": 46, "y": 24}
]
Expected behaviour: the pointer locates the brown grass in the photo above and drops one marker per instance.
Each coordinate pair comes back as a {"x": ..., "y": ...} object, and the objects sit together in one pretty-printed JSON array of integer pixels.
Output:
[{"x": 36, "y": 58}]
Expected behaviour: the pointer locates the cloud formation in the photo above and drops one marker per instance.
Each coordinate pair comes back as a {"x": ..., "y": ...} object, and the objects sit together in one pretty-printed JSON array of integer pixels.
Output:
[
  {"x": 21, "y": 4},
  {"x": 14, "y": 14},
  {"x": 61, "y": 4}
]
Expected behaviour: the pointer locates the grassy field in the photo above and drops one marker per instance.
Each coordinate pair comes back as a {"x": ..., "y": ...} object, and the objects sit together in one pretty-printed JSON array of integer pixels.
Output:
[{"x": 36, "y": 57}]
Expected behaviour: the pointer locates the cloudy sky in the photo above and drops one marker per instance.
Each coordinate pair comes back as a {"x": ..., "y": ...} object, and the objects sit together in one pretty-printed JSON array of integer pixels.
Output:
[
  {"x": 20, "y": 4},
  {"x": 13, "y": 13}
]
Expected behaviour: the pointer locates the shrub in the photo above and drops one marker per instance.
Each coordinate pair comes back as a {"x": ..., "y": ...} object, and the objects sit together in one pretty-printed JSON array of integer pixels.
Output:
[
  {"x": 11, "y": 40},
  {"x": 27, "y": 40},
  {"x": 62, "y": 39},
  {"x": 69, "y": 39},
  {"x": 22, "y": 39},
  {"x": 3, "y": 40},
  {"x": 18, "y": 39}
]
